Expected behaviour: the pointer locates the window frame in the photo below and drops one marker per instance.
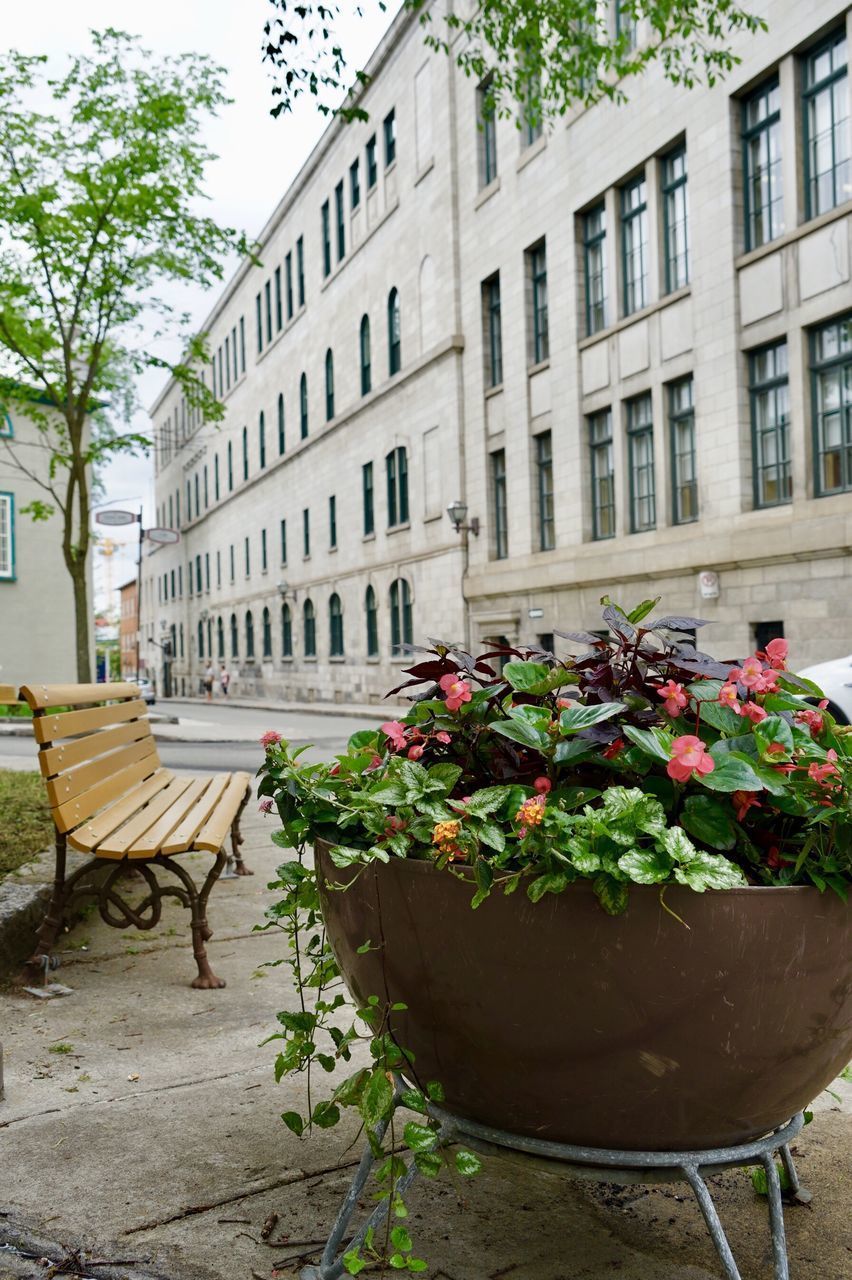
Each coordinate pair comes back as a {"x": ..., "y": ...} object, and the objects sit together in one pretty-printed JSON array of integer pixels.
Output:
[
  {"x": 389, "y": 137},
  {"x": 545, "y": 492},
  {"x": 767, "y": 129},
  {"x": 329, "y": 385},
  {"x": 371, "y": 163},
  {"x": 396, "y": 470},
  {"x": 286, "y": 631},
  {"x": 636, "y": 432},
  {"x": 306, "y": 532},
  {"x": 300, "y": 269},
  {"x": 371, "y": 611},
  {"x": 677, "y": 417},
  {"x": 595, "y": 241},
  {"x": 332, "y": 522},
  {"x": 365, "y": 355},
  {"x": 817, "y": 368},
  {"x": 402, "y": 631},
  {"x": 261, "y": 439},
  {"x": 759, "y": 387},
  {"x": 537, "y": 277},
  {"x": 600, "y": 443},
  {"x": 493, "y": 331},
  {"x": 326, "y": 239},
  {"x": 336, "y": 646},
  {"x": 303, "y": 406},
  {"x": 266, "y": 635},
  {"x": 486, "y": 125},
  {"x": 340, "y": 220},
  {"x": 670, "y": 187},
  {"x": 634, "y": 216},
  {"x": 394, "y": 333},
  {"x": 355, "y": 183},
  {"x": 810, "y": 93},
  {"x": 7, "y": 501},
  {"x": 309, "y": 628},
  {"x": 368, "y": 495},
  {"x": 499, "y": 501},
  {"x": 282, "y": 441}
]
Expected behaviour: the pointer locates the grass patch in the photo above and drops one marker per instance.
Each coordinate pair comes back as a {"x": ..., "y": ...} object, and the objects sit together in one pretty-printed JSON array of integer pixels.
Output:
[
  {"x": 27, "y": 826},
  {"x": 60, "y": 1047}
]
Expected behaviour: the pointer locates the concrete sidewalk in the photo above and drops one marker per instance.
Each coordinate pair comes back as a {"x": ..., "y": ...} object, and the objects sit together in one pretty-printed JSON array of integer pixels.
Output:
[
  {"x": 155, "y": 1136},
  {"x": 374, "y": 712}
]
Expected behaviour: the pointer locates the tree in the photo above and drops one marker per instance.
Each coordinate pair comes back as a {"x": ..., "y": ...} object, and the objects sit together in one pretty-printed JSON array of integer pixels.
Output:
[
  {"x": 100, "y": 208},
  {"x": 546, "y": 55}
]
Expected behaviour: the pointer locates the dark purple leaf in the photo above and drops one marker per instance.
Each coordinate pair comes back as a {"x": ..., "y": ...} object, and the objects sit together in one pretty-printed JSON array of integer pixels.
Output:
[
  {"x": 581, "y": 637},
  {"x": 617, "y": 622},
  {"x": 675, "y": 623}
]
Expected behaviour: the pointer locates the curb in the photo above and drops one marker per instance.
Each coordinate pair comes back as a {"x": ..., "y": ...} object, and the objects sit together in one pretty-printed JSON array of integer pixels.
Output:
[
  {"x": 22, "y": 907},
  {"x": 342, "y": 710}
]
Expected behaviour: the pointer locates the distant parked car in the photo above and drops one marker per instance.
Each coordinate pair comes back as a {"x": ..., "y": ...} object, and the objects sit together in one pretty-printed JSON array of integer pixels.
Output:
[
  {"x": 146, "y": 690},
  {"x": 835, "y": 680}
]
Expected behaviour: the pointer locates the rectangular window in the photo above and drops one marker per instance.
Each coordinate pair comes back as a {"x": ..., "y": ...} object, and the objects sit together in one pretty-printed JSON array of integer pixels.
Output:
[
  {"x": 7, "y": 536},
  {"x": 267, "y": 297},
  {"x": 831, "y": 380},
  {"x": 640, "y": 441},
  {"x": 332, "y": 522},
  {"x": 263, "y": 560},
  {"x": 493, "y": 332},
  {"x": 279, "y": 308},
  {"x": 603, "y": 475},
  {"x": 486, "y": 124},
  {"x": 218, "y": 568},
  {"x": 234, "y": 351},
  {"x": 682, "y": 447},
  {"x": 300, "y": 269},
  {"x": 288, "y": 279},
  {"x": 283, "y": 541},
  {"x": 626, "y": 25},
  {"x": 372, "y": 166},
  {"x": 206, "y": 490},
  {"x": 259, "y": 315},
  {"x": 242, "y": 344},
  {"x": 355, "y": 184},
  {"x": 389, "y": 131},
  {"x": 634, "y": 244},
  {"x": 770, "y": 425},
  {"x": 396, "y": 464},
  {"x": 544, "y": 491},
  {"x": 306, "y": 532},
  {"x": 206, "y": 570},
  {"x": 537, "y": 277},
  {"x": 340, "y": 221},
  {"x": 227, "y": 362},
  {"x": 369, "y": 499},
  {"x": 326, "y": 239},
  {"x": 531, "y": 124},
  {"x": 594, "y": 259},
  {"x": 498, "y": 498},
  {"x": 676, "y": 219},
  {"x": 825, "y": 81},
  {"x": 233, "y": 570},
  {"x": 247, "y": 545}
]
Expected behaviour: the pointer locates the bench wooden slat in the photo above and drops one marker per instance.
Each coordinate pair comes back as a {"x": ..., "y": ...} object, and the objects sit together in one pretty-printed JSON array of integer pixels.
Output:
[
  {"x": 155, "y": 836},
  {"x": 68, "y": 755},
  {"x": 77, "y": 781},
  {"x": 212, "y": 835},
  {"x": 64, "y": 724},
  {"x": 86, "y": 837},
  {"x": 39, "y": 696},
  {"x": 73, "y": 812},
  {"x": 118, "y": 842},
  {"x": 185, "y": 832}
]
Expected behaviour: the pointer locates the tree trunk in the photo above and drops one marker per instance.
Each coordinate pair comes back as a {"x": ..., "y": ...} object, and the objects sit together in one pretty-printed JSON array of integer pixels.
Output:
[{"x": 81, "y": 620}]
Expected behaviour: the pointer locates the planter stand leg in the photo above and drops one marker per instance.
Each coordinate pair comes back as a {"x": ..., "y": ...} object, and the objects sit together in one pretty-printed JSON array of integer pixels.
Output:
[{"x": 714, "y": 1225}]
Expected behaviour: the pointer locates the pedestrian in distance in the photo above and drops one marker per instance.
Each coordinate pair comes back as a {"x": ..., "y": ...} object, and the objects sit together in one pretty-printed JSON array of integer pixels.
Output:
[
  {"x": 209, "y": 677},
  {"x": 224, "y": 680}
]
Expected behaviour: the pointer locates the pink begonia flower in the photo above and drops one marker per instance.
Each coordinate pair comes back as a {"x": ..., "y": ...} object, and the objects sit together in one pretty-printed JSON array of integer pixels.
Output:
[
  {"x": 265, "y": 806},
  {"x": 822, "y": 773},
  {"x": 776, "y": 653},
  {"x": 754, "y": 712},
  {"x": 542, "y": 785},
  {"x": 813, "y": 719},
  {"x": 688, "y": 756},
  {"x": 415, "y": 752},
  {"x": 457, "y": 691},
  {"x": 751, "y": 673},
  {"x": 270, "y": 738},
  {"x": 443, "y": 736},
  {"x": 743, "y": 801},
  {"x": 768, "y": 682},
  {"x": 675, "y": 698},
  {"x": 728, "y": 697},
  {"x": 375, "y": 763},
  {"x": 395, "y": 731}
]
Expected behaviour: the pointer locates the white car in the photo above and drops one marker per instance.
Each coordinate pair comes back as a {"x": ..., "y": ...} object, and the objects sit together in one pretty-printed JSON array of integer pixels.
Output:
[
  {"x": 146, "y": 690},
  {"x": 835, "y": 680}
]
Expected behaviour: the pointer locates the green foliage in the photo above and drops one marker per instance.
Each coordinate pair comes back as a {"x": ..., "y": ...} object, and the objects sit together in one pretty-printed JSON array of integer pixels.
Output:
[
  {"x": 100, "y": 209},
  {"x": 544, "y": 56},
  {"x": 27, "y": 827}
]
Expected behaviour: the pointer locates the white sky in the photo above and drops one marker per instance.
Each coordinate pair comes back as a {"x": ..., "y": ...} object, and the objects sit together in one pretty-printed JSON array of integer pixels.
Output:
[{"x": 257, "y": 156}]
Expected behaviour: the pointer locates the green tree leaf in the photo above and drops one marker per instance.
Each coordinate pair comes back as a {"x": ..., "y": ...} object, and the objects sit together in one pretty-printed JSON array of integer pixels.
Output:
[
  {"x": 325, "y": 1115},
  {"x": 294, "y": 1122}
]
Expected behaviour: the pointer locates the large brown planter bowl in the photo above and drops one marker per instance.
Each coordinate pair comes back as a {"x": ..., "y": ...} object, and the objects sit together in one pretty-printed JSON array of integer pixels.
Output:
[{"x": 631, "y": 1032}]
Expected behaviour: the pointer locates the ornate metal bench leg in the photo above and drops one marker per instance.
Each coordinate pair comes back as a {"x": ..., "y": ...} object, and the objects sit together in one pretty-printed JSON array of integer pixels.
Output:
[
  {"x": 51, "y": 925},
  {"x": 711, "y": 1217},
  {"x": 196, "y": 900},
  {"x": 238, "y": 868}
]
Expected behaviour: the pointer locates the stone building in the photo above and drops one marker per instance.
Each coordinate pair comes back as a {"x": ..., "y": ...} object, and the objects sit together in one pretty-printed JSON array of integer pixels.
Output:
[
  {"x": 128, "y": 628},
  {"x": 623, "y": 341}
]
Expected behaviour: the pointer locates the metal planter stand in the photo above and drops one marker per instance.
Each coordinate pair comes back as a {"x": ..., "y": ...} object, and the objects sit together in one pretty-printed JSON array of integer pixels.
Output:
[{"x": 597, "y": 1164}]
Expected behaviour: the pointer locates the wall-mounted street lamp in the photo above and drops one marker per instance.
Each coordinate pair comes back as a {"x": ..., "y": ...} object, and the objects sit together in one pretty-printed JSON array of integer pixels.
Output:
[
  {"x": 457, "y": 511},
  {"x": 284, "y": 590}
]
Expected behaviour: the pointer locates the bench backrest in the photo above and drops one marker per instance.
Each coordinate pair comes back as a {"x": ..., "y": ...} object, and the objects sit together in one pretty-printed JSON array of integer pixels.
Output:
[{"x": 94, "y": 752}]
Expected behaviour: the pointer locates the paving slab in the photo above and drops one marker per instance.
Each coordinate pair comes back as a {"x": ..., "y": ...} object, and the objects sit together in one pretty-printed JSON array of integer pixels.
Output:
[{"x": 154, "y": 1136}]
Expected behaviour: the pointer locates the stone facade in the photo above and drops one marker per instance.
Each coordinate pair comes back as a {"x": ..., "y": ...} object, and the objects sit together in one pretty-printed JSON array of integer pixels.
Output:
[
  {"x": 128, "y": 628},
  {"x": 675, "y": 343}
]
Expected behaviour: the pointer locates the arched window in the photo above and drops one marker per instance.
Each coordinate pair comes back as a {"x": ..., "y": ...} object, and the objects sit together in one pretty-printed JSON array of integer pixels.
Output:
[
  {"x": 235, "y": 638},
  {"x": 280, "y": 423},
  {"x": 180, "y": 634},
  {"x": 329, "y": 385},
  {"x": 200, "y": 640},
  {"x": 220, "y": 638},
  {"x": 261, "y": 439},
  {"x": 310, "y": 623},
  {"x": 245, "y": 453},
  {"x": 335, "y": 627},
  {"x": 303, "y": 405},
  {"x": 267, "y": 634},
  {"x": 394, "y": 334},
  {"x": 230, "y": 466},
  {"x": 286, "y": 631},
  {"x": 372, "y": 612},
  {"x": 364, "y": 343},
  {"x": 209, "y": 639},
  {"x": 400, "y": 611},
  {"x": 249, "y": 635}
]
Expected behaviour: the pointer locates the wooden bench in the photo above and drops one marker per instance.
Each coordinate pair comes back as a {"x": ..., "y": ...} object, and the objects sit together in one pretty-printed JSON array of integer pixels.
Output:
[{"x": 111, "y": 797}]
